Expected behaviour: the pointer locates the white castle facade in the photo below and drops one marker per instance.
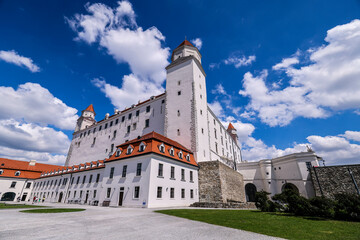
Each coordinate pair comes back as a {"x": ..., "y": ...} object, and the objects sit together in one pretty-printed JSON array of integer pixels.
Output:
[{"x": 148, "y": 154}]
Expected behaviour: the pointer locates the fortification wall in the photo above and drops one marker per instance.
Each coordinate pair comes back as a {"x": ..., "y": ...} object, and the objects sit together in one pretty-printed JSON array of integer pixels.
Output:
[{"x": 331, "y": 180}]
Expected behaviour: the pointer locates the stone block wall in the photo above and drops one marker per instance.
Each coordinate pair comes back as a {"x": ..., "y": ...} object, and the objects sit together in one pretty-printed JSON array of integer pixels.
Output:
[
  {"x": 220, "y": 183},
  {"x": 331, "y": 180}
]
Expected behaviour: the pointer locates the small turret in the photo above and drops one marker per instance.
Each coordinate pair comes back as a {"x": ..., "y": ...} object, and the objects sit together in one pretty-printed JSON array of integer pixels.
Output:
[
  {"x": 233, "y": 133},
  {"x": 185, "y": 49},
  {"x": 86, "y": 119}
]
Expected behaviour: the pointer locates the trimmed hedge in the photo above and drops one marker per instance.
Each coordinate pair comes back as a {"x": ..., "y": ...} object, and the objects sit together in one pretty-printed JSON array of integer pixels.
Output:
[{"x": 344, "y": 207}]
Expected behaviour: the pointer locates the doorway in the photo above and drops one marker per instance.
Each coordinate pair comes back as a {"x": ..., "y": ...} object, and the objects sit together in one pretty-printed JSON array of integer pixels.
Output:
[
  {"x": 24, "y": 197},
  {"x": 9, "y": 196},
  {"x": 250, "y": 191},
  {"x": 121, "y": 196},
  {"x": 60, "y": 196},
  {"x": 87, "y": 196}
]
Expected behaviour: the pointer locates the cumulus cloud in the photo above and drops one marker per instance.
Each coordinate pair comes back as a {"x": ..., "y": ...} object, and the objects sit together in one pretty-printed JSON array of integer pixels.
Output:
[
  {"x": 116, "y": 30},
  {"x": 330, "y": 83},
  {"x": 240, "y": 61},
  {"x": 14, "y": 58},
  {"x": 352, "y": 135},
  {"x": 197, "y": 42},
  {"x": 33, "y": 103},
  {"x": 31, "y": 137},
  {"x": 216, "y": 108}
]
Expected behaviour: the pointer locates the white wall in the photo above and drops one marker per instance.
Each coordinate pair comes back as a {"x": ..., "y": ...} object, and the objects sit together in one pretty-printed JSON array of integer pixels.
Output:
[{"x": 19, "y": 189}]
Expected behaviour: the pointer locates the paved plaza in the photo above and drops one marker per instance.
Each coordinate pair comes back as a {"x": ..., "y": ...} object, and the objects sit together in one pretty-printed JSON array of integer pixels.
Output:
[{"x": 111, "y": 223}]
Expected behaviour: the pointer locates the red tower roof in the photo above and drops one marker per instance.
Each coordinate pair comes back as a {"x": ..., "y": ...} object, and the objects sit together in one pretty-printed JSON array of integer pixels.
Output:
[
  {"x": 186, "y": 42},
  {"x": 230, "y": 127},
  {"x": 90, "y": 108}
]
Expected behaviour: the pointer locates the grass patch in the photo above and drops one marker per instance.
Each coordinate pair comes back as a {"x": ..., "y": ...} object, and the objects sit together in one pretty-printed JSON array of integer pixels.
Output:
[
  {"x": 273, "y": 224},
  {"x": 53, "y": 210},
  {"x": 9, "y": 206}
]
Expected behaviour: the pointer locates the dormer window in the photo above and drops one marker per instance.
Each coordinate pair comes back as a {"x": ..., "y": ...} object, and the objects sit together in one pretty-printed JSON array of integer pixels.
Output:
[
  {"x": 180, "y": 154},
  {"x": 1, "y": 171},
  {"x": 118, "y": 152},
  {"x": 162, "y": 148},
  {"x": 188, "y": 158},
  {"x": 17, "y": 173},
  {"x": 142, "y": 147},
  {"x": 171, "y": 151},
  {"x": 129, "y": 149}
]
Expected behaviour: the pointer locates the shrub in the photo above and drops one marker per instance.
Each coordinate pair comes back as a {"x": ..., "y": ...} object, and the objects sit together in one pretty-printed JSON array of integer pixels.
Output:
[
  {"x": 292, "y": 202},
  {"x": 347, "y": 207},
  {"x": 263, "y": 202},
  {"x": 323, "y": 207}
]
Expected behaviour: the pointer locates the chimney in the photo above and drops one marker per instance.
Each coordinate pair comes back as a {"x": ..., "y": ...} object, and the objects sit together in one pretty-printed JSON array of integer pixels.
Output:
[{"x": 32, "y": 162}]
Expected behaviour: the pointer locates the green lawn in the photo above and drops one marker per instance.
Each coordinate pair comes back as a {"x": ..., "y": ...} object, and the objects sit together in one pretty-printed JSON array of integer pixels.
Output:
[
  {"x": 7, "y": 206},
  {"x": 273, "y": 224},
  {"x": 53, "y": 210}
]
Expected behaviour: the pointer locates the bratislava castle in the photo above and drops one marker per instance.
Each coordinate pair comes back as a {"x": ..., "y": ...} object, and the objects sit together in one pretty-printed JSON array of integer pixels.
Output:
[{"x": 181, "y": 114}]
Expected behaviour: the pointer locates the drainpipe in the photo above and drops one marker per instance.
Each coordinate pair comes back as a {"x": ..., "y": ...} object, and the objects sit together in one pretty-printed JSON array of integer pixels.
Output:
[
  {"x": 23, "y": 189},
  {"x": 67, "y": 190},
  {"x": 353, "y": 179},
  {"x": 317, "y": 179}
]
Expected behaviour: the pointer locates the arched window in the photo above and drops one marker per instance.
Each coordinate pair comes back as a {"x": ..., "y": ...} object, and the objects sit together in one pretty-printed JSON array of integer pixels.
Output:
[
  {"x": 250, "y": 191},
  {"x": 188, "y": 157},
  {"x": 118, "y": 152},
  {"x": 17, "y": 173},
  {"x": 1, "y": 171},
  {"x": 129, "y": 150},
  {"x": 180, "y": 154},
  {"x": 171, "y": 151},
  {"x": 162, "y": 148},
  {"x": 142, "y": 147},
  {"x": 289, "y": 186}
]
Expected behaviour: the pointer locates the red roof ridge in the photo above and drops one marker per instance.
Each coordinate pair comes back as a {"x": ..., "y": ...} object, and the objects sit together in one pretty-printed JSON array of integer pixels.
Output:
[
  {"x": 230, "y": 127},
  {"x": 185, "y": 42}
]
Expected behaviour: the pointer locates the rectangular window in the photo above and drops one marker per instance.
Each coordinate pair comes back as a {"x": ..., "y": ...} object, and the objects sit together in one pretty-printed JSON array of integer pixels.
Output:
[
  {"x": 124, "y": 171},
  {"x": 160, "y": 171},
  {"x": 130, "y": 115},
  {"x": 13, "y": 184},
  {"x": 94, "y": 130},
  {"x": 112, "y": 172},
  {"x": 123, "y": 119},
  {"x": 59, "y": 182},
  {"x": 97, "y": 177},
  {"x": 74, "y": 193},
  {"x": 215, "y": 133},
  {"x": 179, "y": 93},
  {"x": 148, "y": 109},
  {"x": 111, "y": 123},
  {"x": 172, "y": 173},
  {"x": 28, "y": 185},
  {"x": 172, "y": 192},
  {"x": 128, "y": 129},
  {"x": 94, "y": 193},
  {"x": 137, "y": 113},
  {"x": 159, "y": 192},
  {"x": 65, "y": 181},
  {"x": 84, "y": 178},
  {"x": 182, "y": 193},
  {"x": 90, "y": 179},
  {"x": 81, "y": 194},
  {"x": 108, "y": 193},
  {"x": 191, "y": 193},
  {"x": 147, "y": 123},
  {"x": 114, "y": 134},
  {"x": 182, "y": 174},
  {"x": 191, "y": 176},
  {"x": 105, "y": 126},
  {"x": 112, "y": 148},
  {"x": 116, "y": 121},
  {"x": 136, "y": 192},
  {"x": 94, "y": 140},
  {"x": 134, "y": 126},
  {"x": 100, "y": 128},
  {"x": 138, "y": 169}
]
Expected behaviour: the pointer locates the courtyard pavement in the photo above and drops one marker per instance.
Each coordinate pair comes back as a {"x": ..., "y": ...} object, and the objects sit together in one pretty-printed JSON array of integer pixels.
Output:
[{"x": 111, "y": 223}]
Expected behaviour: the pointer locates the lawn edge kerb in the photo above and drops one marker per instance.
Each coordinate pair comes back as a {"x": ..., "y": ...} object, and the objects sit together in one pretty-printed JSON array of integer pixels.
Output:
[
  {"x": 19, "y": 206},
  {"x": 53, "y": 210}
]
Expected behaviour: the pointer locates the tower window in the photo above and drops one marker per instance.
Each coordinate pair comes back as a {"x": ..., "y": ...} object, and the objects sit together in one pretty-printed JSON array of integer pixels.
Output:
[
  {"x": 200, "y": 112},
  {"x": 114, "y": 134},
  {"x": 179, "y": 93},
  {"x": 201, "y": 96},
  {"x": 105, "y": 126},
  {"x": 111, "y": 123},
  {"x": 137, "y": 113},
  {"x": 94, "y": 141},
  {"x": 128, "y": 129},
  {"x": 138, "y": 169},
  {"x": 178, "y": 132},
  {"x": 179, "y": 82},
  {"x": 116, "y": 121},
  {"x": 202, "y": 131},
  {"x": 130, "y": 115},
  {"x": 100, "y": 128},
  {"x": 123, "y": 119},
  {"x": 147, "y": 123},
  {"x": 134, "y": 126},
  {"x": 148, "y": 109},
  {"x": 94, "y": 130},
  {"x": 178, "y": 113}
]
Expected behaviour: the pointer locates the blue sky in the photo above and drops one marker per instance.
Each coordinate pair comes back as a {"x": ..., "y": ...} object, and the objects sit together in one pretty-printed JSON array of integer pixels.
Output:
[{"x": 285, "y": 72}]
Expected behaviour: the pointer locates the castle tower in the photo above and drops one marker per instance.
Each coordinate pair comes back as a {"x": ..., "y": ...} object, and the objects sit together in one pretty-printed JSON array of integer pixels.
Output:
[
  {"x": 232, "y": 131},
  {"x": 86, "y": 119},
  {"x": 186, "y": 101}
]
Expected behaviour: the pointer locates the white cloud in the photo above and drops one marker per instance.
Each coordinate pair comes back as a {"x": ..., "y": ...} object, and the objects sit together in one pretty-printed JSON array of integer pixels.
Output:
[
  {"x": 197, "y": 42},
  {"x": 31, "y": 137},
  {"x": 14, "y": 58},
  {"x": 216, "y": 108},
  {"x": 329, "y": 83},
  {"x": 131, "y": 91},
  {"x": 33, "y": 103},
  {"x": 116, "y": 30},
  {"x": 240, "y": 61},
  {"x": 285, "y": 63},
  {"x": 219, "y": 89},
  {"x": 352, "y": 135}
]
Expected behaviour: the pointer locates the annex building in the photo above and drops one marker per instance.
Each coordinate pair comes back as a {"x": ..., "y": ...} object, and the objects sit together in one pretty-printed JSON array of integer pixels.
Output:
[{"x": 170, "y": 150}]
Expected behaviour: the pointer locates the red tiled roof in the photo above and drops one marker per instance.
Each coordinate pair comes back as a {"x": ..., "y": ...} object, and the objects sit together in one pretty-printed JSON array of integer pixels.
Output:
[
  {"x": 10, "y": 167},
  {"x": 230, "y": 127},
  {"x": 90, "y": 108},
  {"x": 186, "y": 42},
  {"x": 152, "y": 141}
]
